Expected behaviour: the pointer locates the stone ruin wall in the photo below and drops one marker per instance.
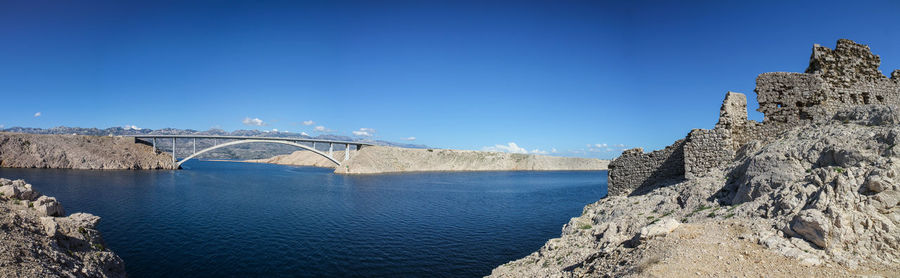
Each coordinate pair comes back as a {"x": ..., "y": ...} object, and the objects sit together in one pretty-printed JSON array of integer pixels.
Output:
[
  {"x": 705, "y": 149},
  {"x": 835, "y": 80},
  {"x": 635, "y": 169}
]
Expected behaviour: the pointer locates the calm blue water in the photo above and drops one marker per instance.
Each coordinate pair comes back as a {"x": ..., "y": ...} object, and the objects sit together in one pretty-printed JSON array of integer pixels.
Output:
[{"x": 225, "y": 219}]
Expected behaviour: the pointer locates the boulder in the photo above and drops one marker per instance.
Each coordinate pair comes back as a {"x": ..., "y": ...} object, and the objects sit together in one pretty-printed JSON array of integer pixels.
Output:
[
  {"x": 813, "y": 226},
  {"x": 20, "y": 190},
  {"x": 48, "y": 206},
  {"x": 50, "y": 226},
  {"x": 876, "y": 183},
  {"x": 660, "y": 228},
  {"x": 84, "y": 220}
]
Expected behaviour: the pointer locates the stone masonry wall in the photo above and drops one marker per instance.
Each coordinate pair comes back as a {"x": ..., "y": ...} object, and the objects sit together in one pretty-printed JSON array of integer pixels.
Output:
[
  {"x": 635, "y": 169},
  {"x": 705, "y": 149},
  {"x": 835, "y": 80}
]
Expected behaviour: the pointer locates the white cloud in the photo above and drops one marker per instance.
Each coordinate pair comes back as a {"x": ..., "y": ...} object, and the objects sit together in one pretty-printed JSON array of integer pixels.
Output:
[
  {"x": 253, "y": 121},
  {"x": 537, "y": 151},
  {"x": 131, "y": 127},
  {"x": 553, "y": 150},
  {"x": 411, "y": 138},
  {"x": 321, "y": 129},
  {"x": 38, "y": 114},
  {"x": 310, "y": 122},
  {"x": 275, "y": 129},
  {"x": 511, "y": 147},
  {"x": 304, "y": 134},
  {"x": 1, "y": 126},
  {"x": 367, "y": 132},
  {"x": 606, "y": 148}
]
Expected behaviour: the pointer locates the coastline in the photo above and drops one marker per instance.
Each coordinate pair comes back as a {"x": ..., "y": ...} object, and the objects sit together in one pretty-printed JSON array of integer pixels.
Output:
[
  {"x": 380, "y": 160},
  {"x": 40, "y": 241}
]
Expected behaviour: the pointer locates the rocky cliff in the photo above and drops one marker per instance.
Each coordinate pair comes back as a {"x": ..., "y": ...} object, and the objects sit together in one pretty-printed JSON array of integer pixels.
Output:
[
  {"x": 378, "y": 159},
  {"x": 19, "y": 150},
  {"x": 37, "y": 241},
  {"x": 811, "y": 191},
  {"x": 303, "y": 158},
  {"x": 381, "y": 159}
]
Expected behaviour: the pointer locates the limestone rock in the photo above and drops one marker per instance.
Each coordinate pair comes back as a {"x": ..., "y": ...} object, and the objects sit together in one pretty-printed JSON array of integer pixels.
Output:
[
  {"x": 48, "y": 206},
  {"x": 381, "y": 159},
  {"x": 83, "y": 220},
  {"x": 661, "y": 228},
  {"x": 50, "y": 226},
  {"x": 869, "y": 115},
  {"x": 35, "y": 245},
  {"x": 813, "y": 226},
  {"x": 20, "y": 190},
  {"x": 18, "y": 150}
]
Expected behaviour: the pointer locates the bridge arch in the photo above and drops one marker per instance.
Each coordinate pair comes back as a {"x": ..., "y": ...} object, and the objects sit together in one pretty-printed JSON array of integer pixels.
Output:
[{"x": 258, "y": 141}]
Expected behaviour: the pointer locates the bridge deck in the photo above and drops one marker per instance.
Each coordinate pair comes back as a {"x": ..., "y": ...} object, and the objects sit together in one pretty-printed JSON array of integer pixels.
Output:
[{"x": 254, "y": 138}]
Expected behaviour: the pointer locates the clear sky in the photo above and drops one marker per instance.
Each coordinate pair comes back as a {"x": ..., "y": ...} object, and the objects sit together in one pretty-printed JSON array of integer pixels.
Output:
[{"x": 550, "y": 75}]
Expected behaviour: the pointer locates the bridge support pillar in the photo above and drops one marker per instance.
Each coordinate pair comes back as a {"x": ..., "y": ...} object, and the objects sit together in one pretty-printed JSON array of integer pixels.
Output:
[
  {"x": 173, "y": 150},
  {"x": 347, "y": 152},
  {"x": 195, "y": 146},
  {"x": 314, "y": 145},
  {"x": 331, "y": 149},
  {"x": 154, "y": 145}
]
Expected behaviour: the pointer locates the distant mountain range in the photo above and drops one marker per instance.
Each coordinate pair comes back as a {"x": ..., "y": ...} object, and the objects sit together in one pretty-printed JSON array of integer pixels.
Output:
[{"x": 243, "y": 151}]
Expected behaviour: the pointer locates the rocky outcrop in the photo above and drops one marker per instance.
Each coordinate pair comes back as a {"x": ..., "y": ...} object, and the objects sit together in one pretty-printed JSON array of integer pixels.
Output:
[
  {"x": 36, "y": 241},
  {"x": 379, "y": 159},
  {"x": 303, "y": 158},
  {"x": 811, "y": 191},
  {"x": 78, "y": 152},
  {"x": 820, "y": 199}
]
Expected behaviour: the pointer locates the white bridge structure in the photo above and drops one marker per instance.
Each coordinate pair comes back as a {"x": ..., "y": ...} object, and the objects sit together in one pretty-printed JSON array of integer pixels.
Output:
[{"x": 310, "y": 144}]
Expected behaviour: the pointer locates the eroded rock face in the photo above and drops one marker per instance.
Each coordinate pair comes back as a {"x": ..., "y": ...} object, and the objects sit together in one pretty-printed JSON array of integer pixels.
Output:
[
  {"x": 19, "y": 150},
  {"x": 48, "y": 206},
  {"x": 17, "y": 189},
  {"x": 37, "y": 242},
  {"x": 813, "y": 226}
]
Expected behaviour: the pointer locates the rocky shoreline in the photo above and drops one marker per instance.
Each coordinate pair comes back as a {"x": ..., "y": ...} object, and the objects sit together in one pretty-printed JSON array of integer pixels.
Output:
[
  {"x": 20, "y": 150},
  {"x": 39, "y": 241},
  {"x": 812, "y": 191},
  {"x": 381, "y": 159}
]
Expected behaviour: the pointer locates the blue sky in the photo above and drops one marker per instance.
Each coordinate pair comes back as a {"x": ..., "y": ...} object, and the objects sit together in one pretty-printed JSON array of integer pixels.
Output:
[{"x": 551, "y": 75}]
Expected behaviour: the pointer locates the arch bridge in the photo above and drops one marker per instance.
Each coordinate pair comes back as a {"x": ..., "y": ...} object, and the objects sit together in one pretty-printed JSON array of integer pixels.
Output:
[{"x": 220, "y": 141}]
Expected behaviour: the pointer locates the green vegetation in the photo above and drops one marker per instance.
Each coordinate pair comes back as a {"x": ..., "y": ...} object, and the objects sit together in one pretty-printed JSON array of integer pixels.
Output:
[
  {"x": 839, "y": 169},
  {"x": 667, "y": 214},
  {"x": 730, "y": 215},
  {"x": 30, "y": 204},
  {"x": 82, "y": 230},
  {"x": 711, "y": 214},
  {"x": 699, "y": 209},
  {"x": 584, "y": 226}
]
